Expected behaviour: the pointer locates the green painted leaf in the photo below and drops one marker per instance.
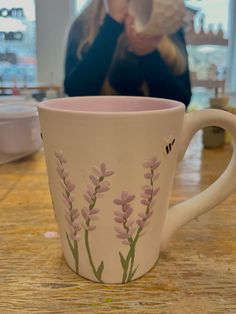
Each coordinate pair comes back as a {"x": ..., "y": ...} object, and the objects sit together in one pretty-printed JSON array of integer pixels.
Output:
[
  {"x": 71, "y": 247},
  {"x": 100, "y": 270},
  {"x": 122, "y": 260},
  {"x": 133, "y": 273}
]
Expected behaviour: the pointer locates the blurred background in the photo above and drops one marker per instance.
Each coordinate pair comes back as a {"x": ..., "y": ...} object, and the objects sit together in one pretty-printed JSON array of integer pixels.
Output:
[{"x": 33, "y": 36}]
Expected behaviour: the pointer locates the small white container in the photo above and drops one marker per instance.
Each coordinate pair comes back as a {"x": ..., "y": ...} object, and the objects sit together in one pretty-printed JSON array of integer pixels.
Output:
[{"x": 19, "y": 130}]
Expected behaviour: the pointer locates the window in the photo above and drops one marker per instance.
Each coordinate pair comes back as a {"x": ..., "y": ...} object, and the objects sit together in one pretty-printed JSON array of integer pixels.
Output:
[
  {"x": 79, "y": 4},
  {"x": 208, "y": 47},
  {"x": 216, "y": 12},
  {"x": 17, "y": 41}
]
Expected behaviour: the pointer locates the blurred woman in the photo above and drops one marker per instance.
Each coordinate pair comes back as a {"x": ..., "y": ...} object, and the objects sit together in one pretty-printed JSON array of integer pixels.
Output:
[{"x": 105, "y": 56}]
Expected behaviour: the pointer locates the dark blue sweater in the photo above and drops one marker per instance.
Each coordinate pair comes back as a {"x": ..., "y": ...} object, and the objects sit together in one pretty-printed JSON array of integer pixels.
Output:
[{"x": 85, "y": 76}]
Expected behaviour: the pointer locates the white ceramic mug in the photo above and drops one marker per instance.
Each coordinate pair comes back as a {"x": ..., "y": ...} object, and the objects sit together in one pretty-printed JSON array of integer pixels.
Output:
[
  {"x": 157, "y": 17},
  {"x": 111, "y": 162}
]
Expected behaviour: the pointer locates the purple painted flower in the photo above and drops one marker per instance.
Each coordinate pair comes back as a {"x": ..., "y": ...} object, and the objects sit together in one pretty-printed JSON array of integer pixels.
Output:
[
  {"x": 127, "y": 227},
  {"x": 149, "y": 192},
  {"x": 102, "y": 171},
  {"x": 95, "y": 190},
  {"x": 143, "y": 219},
  {"x": 152, "y": 163},
  {"x": 71, "y": 213},
  {"x": 60, "y": 157}
]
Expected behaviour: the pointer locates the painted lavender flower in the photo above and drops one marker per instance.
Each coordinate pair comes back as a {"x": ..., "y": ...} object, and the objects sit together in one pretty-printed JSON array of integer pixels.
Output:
[
  {"x": 71, "y": 213},
  {"x": 127, "y": 226},
  {"x": 149, "y": 191},
  {"x": 90, "y": 213},
  {"x": 129, "y": 230}
]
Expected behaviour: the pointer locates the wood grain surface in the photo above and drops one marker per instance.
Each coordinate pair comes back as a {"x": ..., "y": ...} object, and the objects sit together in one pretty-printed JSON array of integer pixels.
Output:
[{"x": 196, "y": 275}]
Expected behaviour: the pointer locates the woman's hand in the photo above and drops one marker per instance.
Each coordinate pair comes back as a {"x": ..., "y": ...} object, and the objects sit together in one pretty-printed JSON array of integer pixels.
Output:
[
  {"x": 117, "y": 9},
  {"x": 139, "y": 44}
]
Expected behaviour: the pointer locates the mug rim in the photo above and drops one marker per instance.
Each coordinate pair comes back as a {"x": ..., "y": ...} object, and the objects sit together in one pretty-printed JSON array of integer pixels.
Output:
[{"x": 158, "y": 105}]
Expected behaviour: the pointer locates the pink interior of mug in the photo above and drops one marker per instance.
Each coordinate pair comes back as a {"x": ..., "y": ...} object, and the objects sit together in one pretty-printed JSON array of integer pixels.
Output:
[{"x": 110, "y": 104}]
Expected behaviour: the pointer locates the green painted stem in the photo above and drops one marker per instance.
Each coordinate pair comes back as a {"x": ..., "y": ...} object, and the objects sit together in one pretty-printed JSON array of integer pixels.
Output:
[
  {"x": 126, "y": 268},
  {"x": 76, "y": 256},
  {"x": 90, "y": 256},
  {"x": 132, "y": 254},
  {"x": 87, "y": 234},
  {"x": 133, "y": 245},
  {"x": 75, "y": 252}
]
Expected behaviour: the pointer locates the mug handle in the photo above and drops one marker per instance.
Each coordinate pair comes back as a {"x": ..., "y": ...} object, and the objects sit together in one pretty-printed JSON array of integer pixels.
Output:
[{"x": 180, "y": 214}]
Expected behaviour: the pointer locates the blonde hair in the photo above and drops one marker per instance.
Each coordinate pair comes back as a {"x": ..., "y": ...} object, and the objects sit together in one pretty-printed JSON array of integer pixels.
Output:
[
  {"x": 173, "y": 55},
  {"x": 89, "y": 20}
]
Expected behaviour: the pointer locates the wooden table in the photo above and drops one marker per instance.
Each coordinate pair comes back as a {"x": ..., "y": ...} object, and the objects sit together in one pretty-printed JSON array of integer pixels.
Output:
[{"x": 196, "y": 275}]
